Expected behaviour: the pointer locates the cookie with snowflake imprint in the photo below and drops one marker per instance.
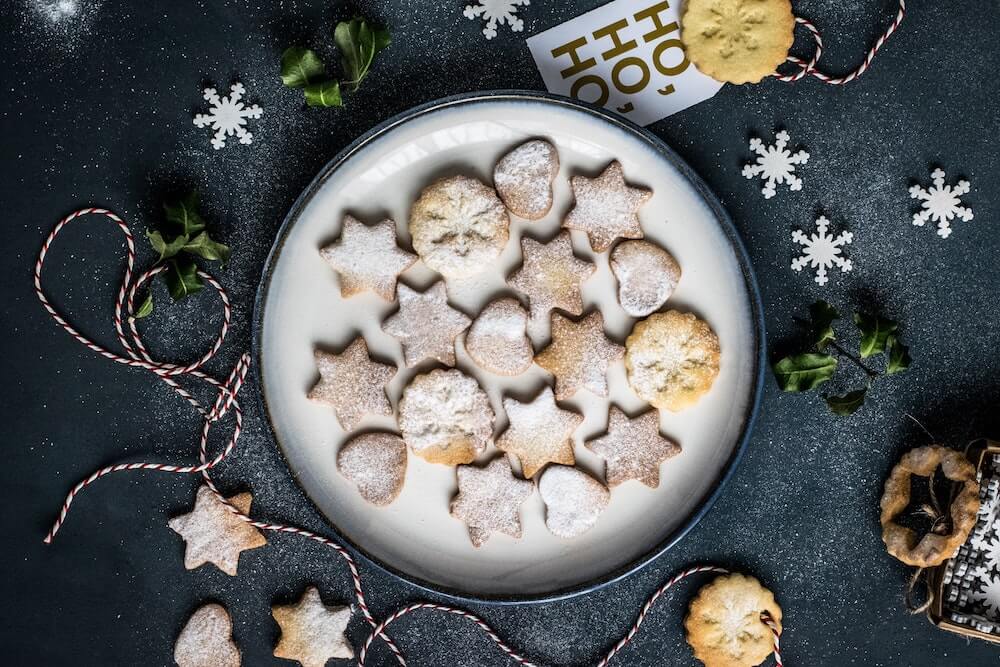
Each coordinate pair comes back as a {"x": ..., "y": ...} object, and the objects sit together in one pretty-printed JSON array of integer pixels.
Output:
[
  {"x": 606, "y": 207},
  {"x": 573, "y": 500},
  {"x": 723, "y": 624},
  {"x": 367, "y": 258},
  {"x": 489, "y": 500},
  {"x": 579, "y": 355},
  {"x": 445, "y": 417},
  {"x": 352, "y": 384},
  {"x": 376, "y": 463},
  {"x": 458, "y": 226},
  {"x": 737, "y": 41},
  {"x": 633, "y": 448},
  {"x": 539, "y": 432},
  {"x": 497, "y": 340},
  {"x": 426, "y": 325},
  {"x": 671, "y": 359},
  {"x": 551, "y": 275},
  {"x": 647, "y": 276},
  {"x": 207, "y": 639},
  {"x": 523, "y": 178}
]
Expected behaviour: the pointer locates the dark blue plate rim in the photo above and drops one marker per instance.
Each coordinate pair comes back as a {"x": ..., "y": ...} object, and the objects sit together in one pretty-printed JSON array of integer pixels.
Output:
[{"x": 722, "y": 217}]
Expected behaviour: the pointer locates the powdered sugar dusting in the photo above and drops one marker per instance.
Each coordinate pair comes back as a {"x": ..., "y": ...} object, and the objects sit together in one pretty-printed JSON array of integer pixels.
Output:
[
  {"x": 352, "y": 384},
  {"x": 498, "y": 338},
  {"x": 367, "y": 258},
  {"x": 551, "y": 275},
  {"x": 489, "y": 500},
  {"x": 376, "y": 462},
  {"x": 647, "y": 276},
  {"x": 579, "y": 355},
  {"x": 539, "y": 432},
  {"x": 606, "y": 207},
  {"x": 426, "y": 325},
  {"x": 206, "y": 640},
  {"x": 523, "y": 178},
  {"x": 64, "y": 22},
  {"x": 446, "y": 410},
  {"x": 573, "y": 500},
  {"x": 633, "y": 448}
]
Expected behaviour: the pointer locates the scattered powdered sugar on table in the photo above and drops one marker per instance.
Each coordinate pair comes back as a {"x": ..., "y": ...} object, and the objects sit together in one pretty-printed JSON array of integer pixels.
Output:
[{"x": 64, "y": 22}]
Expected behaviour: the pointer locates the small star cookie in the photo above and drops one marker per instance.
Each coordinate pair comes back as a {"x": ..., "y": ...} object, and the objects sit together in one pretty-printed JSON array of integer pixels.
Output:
[
  {"x": 311, "y": 632},
  {"x": 213, "y": 534},
  {"x": 206, "y": 640},
  {"x": 352, "y": 384},
  {"x": 426, "y": 325},
  {"x": 498, "y": 340},
  {"x": 489, "y": 500},
  {"x": 724, "y": 626},
  {"x": 606, "y": 207},
  {"x": 633, "y": 448},
  {"x": 367, "y": 258},
  {"x": 539, "y": 432},
  {"x": 579, "y": 355},
  {"x": 573, "y": 500},
  {"x": 551, "y": 275},
  {"x": 376, "y": 462}
]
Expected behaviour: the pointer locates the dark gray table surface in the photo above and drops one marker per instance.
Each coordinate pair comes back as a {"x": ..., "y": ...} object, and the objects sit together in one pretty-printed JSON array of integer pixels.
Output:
[{"x": 100, "y": 113}]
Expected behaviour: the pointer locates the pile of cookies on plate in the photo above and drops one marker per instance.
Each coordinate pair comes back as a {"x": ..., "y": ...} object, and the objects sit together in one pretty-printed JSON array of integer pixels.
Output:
[{"x": 459, "y": 226}]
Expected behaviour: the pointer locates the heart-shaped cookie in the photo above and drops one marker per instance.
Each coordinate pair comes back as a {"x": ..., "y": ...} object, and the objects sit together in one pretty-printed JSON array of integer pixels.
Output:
[
  {"x": 376, "y": 462},
  {"x": 498, "y": 339},
  {"x": 647, "y": 276},
  {"x": 523, "y": 178},
  {"x": 573, "y": 500}
]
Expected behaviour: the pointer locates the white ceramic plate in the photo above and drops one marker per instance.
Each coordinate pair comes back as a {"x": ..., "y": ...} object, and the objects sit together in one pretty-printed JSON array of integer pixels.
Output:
[{"x": 299, "y": 307}]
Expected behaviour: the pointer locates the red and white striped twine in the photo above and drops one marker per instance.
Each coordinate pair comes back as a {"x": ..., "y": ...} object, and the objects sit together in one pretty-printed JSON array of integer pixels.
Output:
[
  {"x": 809, "y": 68},
  {"x": 226, "y": 400}
]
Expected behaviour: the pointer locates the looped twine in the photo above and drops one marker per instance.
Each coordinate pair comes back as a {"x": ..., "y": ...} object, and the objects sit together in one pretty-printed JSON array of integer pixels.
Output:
[
  {"x": 911, "y": 586},
  {"x": 808, "y": 68}
]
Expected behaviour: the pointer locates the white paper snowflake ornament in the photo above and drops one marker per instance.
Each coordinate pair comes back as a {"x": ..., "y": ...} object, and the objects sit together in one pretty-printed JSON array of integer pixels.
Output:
[
  {"x": 941, "y": 203},
  {"x": 775, "y": 164},
  {"x": 497, "y": 12},
  {"x": 822, "y": 251},
  {"x": 228, "y": 116}
]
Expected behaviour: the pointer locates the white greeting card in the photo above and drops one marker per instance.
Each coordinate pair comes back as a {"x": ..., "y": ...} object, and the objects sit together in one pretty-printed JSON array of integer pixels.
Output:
[{"x": 625, "y": 56}]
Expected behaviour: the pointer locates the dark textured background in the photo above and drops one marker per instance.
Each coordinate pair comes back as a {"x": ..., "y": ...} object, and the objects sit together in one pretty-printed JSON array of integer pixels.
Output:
[{"x": 99, "y": 113}]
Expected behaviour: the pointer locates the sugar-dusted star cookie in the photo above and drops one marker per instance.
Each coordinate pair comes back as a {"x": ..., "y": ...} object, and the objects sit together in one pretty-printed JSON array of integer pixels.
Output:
[
  {"x": 551, "y": 275},
  {"x": 489, "y": 500},
  {"x": 426, "y": 325},
  {"x": 539, "y": 432},
  {"x": 633, "y": 448},
  {"x": 367, "y": 258},
  {"x": 207, "y": 639},
  {"x": 579, "y": 354},
  {"x": 573, "y": 500},
  {"x": 606, "y": 207},
  {"x": 311, "y": 632},
  {"x": 352, "y": 384},
  {"x": 214, "y": 534}
]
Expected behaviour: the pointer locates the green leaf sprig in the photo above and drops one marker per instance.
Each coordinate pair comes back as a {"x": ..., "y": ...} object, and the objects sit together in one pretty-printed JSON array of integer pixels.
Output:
[
  {"x": 357, "y": 41},
  {"x": 184, "y": 239},
  {"x": 807, "y": 370}
]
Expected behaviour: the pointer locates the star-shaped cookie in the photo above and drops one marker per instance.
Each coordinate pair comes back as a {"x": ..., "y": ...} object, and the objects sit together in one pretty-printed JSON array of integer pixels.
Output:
[
  {"x": 214, "y": 534},
  {"x": 352, "y": 384},
  {"x": 539, "y": 432},
  {"x": 551, "y": 275},
  {"x": 606, "y": 207},
  {"x": 367, "y": 258},
  {"x": 579, "y": 354},
  {"x": 426, "y": 325},
  {"x": 311, "y": 632},
  {"x": 633, "y": 448},
  {"x": 489, "y": 500}
]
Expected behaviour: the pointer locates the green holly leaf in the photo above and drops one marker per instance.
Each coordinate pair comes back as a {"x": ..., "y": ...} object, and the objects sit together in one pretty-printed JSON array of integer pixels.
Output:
[
  {"x": 184, "y": 215},
  {"x": 358, "y": 43},
  {"x": 182, "y": 278},
  {"x": 875, "y": 332},
  {"x": 847, "y": 404},
  {"x": 802, "y": 372},
  {"x": 324, "y": 94},
  {"x": 203, "y": 246},
  {"x": 166, "y": 249},
  {"x": 899, "y": 356},
  {"x": 300, "y": 67},
  {"x": 145, "y": 308},
  {"x": 823, "y": 315}
]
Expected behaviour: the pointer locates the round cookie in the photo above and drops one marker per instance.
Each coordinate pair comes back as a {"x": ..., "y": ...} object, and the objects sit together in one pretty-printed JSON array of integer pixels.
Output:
[
  {"x": 737, "y": 41},
  {"x": 376, "y": 462},
  {"x": 498, "y": 340},
  {"x": 573, "y": 500},
  {"x": 647, "y": 276},
  {"x": 724, "y": 626},
  {"x": 445, "y": 417},
  {"x": 458, "y": 226},
  {"x": 523, "y": 178},
  {"x": 672, "y": 359}
]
